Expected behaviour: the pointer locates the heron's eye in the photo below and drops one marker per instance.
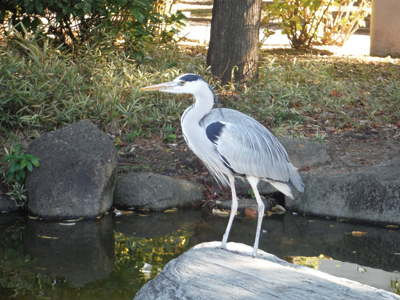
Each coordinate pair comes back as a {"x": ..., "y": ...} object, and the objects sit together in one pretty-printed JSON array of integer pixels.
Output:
[{"x": 183, "y": 82}]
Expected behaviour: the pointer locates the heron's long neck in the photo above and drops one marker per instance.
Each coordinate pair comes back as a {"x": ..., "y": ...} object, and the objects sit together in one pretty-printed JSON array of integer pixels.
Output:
[{"x": 202, "y": 106}]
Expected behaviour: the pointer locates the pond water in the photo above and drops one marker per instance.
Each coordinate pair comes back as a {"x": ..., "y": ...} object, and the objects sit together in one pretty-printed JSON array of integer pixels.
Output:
[{"x": 111, "y": 258}]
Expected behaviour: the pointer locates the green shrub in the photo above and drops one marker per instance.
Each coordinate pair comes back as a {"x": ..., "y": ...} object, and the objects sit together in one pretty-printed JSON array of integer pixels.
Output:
[
  {"x": 343, "y": 20},
  {"x": 307, "y": 22},
  {"x": 18, "y": 164},
  {"x": 77, "y": 20}
]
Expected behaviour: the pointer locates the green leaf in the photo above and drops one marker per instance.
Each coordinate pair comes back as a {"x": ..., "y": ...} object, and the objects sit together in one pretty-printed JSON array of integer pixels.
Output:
[
  {"x": 29, "y": 166},
  {"x": 39, "y": 6},
  {"x": 16, "y": 149},
  {"x": 14, "y": 167},
  {"x": 296, "y": 19},
  {"x": 23, "y": 164},
  {"x": 8, "y": 157},
  {"x": 84, "y": 6},
  {"x": 138, "y": 16},
  {"x": 35, "y": 161},
  {"x": 10, "y": 177}
]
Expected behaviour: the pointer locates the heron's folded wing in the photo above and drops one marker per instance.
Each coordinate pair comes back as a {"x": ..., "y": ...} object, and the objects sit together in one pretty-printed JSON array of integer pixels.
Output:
[{"x": 252, "y": 150}]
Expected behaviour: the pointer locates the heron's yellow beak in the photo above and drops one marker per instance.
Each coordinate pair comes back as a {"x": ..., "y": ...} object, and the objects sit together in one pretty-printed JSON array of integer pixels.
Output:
[{"x": 159, "y": 87}]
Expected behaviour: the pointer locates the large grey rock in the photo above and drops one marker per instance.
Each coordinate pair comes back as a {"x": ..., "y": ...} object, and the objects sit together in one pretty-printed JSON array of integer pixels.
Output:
[
  {"x": 206, "y": 272},
  {"x": 7, "y": 205},
  {"x": 304, "y": 153},
  {"x": 371, "y": 194},
  {"x": 77, "y": 173},
  {"x": 156, "y": 192}
]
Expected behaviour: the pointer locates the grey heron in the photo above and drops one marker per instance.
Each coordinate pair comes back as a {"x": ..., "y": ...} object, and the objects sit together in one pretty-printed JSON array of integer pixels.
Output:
[{"x": 232, "y": 144}]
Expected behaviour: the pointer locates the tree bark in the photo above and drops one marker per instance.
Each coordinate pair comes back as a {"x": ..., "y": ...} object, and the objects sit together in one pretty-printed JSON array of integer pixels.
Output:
[{"x": 233, "y": 48}]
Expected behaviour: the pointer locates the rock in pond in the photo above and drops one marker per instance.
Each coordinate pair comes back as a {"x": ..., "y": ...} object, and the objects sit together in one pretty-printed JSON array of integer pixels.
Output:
[
  {"x": 208, "y": 272},
  {"x": 77, "y": 173},
  {"x": 371, "y": 194},
  {"x": 155, "y": 192}
]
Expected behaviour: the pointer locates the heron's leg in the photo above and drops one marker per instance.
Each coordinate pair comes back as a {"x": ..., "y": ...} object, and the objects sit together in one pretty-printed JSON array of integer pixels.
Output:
[
  {"x": 254, "y": 182},
  {"x": 233, "y": 212}
]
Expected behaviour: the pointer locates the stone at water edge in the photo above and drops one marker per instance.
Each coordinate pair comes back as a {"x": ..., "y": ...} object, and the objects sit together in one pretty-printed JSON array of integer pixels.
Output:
[
  {"x": 155, "y": 191},
  {"x": 208, "y": 272},
  {"x": 370, "y": 195},
  {"x": 77, "y": 173}
]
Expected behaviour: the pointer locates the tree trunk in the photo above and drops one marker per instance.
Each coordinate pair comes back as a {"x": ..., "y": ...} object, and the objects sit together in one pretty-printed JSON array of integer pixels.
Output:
[{"x": 234, "y": 40}]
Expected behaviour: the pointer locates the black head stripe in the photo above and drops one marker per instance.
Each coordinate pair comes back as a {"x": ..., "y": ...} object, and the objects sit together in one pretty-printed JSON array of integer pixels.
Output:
[{"x": 191, "y": 77}]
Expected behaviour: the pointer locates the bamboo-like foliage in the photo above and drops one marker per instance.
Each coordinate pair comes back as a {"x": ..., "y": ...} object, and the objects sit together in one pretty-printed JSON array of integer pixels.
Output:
[{"x": 310, "y": 22}]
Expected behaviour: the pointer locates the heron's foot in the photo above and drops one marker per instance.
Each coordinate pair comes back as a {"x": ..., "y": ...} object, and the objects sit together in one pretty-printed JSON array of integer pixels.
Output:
[
  {"x": 254, "y": 253},
  {"x": 223, "y": 245}
]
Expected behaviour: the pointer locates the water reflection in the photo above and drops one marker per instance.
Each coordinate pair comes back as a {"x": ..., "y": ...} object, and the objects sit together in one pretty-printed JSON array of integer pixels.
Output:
[
  {"x": 81, "y": 251},
  {"x": 113, "y": 257}
]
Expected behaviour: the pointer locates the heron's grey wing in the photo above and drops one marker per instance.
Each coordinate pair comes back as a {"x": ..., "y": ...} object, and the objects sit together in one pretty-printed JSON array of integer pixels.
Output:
[
  {"x": 247, "y": 147},
  {"x": 248, "y": 152}
]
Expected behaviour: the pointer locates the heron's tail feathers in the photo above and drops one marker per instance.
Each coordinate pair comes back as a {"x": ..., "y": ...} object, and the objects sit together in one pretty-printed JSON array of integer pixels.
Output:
[
  {"x": 282, "y": 187},
  {"x": 295, "y": 179}
]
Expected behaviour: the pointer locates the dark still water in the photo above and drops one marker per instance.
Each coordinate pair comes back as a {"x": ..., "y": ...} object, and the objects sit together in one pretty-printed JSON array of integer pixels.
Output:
[{"x": 111, "y": 258}]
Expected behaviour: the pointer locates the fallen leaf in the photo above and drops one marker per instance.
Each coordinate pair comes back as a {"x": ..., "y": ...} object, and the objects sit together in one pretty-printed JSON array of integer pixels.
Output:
[
  {"x": 358, "y": 233},
  {"x": 222, "y": 213},
  {"x": 279, "y": 209},
  {"x": 361, "y": 269},
  {"x": 249, "y": 212},
  {"x": 392, "y": 226},
  {"x": 172, "y": 210},
  {"x": 48, "y": 237},
  {"x": 73, "y": 220},
  {"x": 342, "y": 220}
]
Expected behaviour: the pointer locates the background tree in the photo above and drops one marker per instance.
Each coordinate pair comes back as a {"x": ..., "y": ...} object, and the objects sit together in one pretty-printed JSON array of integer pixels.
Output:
[{"x": 233, "y": 49}]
